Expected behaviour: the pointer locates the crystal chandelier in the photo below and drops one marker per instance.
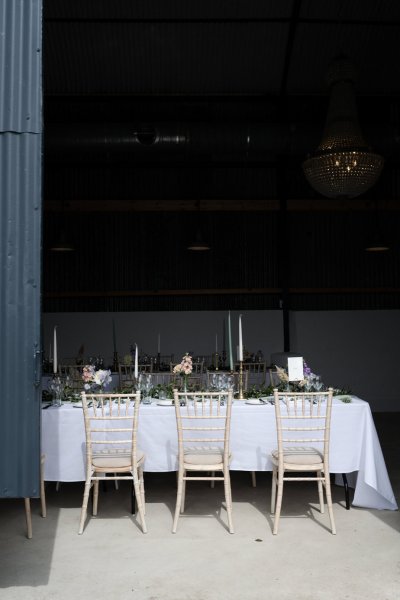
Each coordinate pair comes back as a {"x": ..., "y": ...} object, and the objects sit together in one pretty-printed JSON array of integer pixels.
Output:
[{"x": 343, "y": 164}]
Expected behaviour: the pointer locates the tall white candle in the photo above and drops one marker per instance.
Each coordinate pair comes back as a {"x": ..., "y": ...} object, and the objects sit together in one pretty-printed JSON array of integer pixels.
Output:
[
  {"x": 136, "y": 362},
  {"x": 55, "y": 350},
  {"x": 159, "y": 344},
  {"x": 230, "y": 342},
  {"x": 216, "y": 343},
  {"x": 240, "y": 339}
]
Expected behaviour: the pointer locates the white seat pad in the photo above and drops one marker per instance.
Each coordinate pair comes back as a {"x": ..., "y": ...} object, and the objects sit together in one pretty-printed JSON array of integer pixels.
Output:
[{"x": 300, "y": 456}]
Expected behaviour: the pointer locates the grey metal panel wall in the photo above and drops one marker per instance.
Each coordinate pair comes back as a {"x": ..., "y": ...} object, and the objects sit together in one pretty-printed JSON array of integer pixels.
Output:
[{"x": 20, "y": 246}]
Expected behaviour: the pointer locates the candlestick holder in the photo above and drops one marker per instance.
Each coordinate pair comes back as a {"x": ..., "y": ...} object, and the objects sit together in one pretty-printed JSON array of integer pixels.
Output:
[
  {"x": 241, "y": 380},
  {"x": 115, "y": 362},
  {"x": 223, "y": 358},
  {"x": 158, "y": 361},
  {"x": 216, "y": 360}
]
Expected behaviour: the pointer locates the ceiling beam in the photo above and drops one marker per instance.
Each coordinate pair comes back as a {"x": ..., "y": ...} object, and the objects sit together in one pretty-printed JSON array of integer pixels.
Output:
[{"x": 218, "y": 205}]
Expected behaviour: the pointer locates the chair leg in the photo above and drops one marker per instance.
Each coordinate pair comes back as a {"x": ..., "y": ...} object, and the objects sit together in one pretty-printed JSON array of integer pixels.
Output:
[
  {"x": 329, "y": 502},
  {"x": 321, "y": 492},
  {"x": 253, "y": 479},
  {"x": 28, "y": 516},
  {"x": 43, "y": 499},
  {"x": 278, "y": 503},
  {"x": 139, "y": 500},
  {"x": 95, "y": 497},
  {"x": 42, "y": 490},
  {"x": 133, "y": 500},
  {"x": 183, "y": 493},
  {"x": 228, "y": 499},
  {"x": 86, "y": 493},
  {"x": 178, "y": 501},
  {"x": 273, "y": 491},
  {"x": 212, "y": 482},
  {"x": 142, "y": 490},
  {"x": 346, "y": 491}
]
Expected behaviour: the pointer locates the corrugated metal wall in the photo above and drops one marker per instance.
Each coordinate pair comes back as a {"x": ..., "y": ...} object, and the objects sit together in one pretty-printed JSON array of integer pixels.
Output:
[{"x": 20, "y": 245}]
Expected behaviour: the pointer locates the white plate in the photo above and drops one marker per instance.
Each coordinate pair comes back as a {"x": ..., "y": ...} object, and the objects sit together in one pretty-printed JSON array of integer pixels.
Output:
[
  {"x": 254, "y": 401},
  {"x": 164, "y": 402}
]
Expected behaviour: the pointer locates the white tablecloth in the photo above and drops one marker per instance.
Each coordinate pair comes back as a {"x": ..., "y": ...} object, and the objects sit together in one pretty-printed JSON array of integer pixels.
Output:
[{"x": 354, "y": 447}]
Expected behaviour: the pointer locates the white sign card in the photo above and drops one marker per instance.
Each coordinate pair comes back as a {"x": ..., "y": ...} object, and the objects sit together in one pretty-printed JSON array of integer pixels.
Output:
[{"x": 295, "y": 368}]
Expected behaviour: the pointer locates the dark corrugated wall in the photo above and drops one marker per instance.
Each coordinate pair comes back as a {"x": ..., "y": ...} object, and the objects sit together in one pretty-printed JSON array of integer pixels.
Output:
[{"x": 20, "y": 245}]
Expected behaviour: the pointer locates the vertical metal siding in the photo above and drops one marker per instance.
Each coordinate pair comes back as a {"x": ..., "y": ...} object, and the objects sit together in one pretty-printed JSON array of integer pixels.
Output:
[{"x": 20, "y": 245}]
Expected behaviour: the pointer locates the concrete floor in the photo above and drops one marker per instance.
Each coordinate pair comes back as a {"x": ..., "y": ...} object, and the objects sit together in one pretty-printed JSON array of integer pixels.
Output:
[{"x": 114, "y": 560}]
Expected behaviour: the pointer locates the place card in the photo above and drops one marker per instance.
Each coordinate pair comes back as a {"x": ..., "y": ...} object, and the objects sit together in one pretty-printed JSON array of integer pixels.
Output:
[{"x": 295, "y": 368}]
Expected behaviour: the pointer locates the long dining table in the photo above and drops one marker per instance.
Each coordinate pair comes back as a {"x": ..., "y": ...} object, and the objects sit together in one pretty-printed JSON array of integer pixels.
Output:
[{"x": 354, "y": 448}]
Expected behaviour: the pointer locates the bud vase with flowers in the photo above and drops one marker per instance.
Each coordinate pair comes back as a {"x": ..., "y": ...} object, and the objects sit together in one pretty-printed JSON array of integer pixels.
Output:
[{"x": 184, "y": 369}]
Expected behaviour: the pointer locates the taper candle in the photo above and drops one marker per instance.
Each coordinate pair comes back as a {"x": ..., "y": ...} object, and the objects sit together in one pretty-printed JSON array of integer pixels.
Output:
[
  {"x": 240, "y": 339},
  {"x": 230, "y": 342},
  {"x": 55, "y": 350},
  {"x": 136, "y": 362}
]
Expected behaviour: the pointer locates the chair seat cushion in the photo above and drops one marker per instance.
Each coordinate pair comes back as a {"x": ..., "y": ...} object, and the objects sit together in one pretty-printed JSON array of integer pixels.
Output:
[
  {"x": 203, "y": 456},
  {"x": 117, "y": 459},
  {"x": 300, "y": 455}
]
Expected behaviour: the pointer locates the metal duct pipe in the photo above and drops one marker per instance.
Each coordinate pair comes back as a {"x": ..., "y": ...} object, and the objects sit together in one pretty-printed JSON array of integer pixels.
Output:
[{"x": 185, "y": 141}]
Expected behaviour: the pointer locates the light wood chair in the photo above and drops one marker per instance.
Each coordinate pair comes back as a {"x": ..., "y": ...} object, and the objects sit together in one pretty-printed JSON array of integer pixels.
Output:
[
  {"x": 303, "y": 431},
  {"x": 203, "y": 423},
  {"x": 74, "y": 375},
  {"x": 111, "y": 422},
  {"x": 256, "y": 372},
  {"x": 273, "y": 377},
  {"x": 126, "y": 375},
  {"x": 28, "y": 514}
]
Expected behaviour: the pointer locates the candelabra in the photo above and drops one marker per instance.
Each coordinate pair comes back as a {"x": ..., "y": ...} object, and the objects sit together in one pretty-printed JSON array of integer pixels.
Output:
[{"x": 241, "y": 380}]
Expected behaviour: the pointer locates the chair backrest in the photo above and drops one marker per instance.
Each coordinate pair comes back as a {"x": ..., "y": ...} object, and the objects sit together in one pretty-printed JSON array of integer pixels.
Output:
[
  {"x": 203, "y": 421},
  {"x": 111, "y": 422},
  {"x": 72, "y": 375},
  {"x": 303, "y": 418},
  {"x": 254, "y": 367},
  {"x": 145, "y": 367},
  {"x": 126, "y": 375},
  {"x": 163, "y": 378},
  {"x": 194, "y": 382},
  {"x": 198, "y": 366},
  {"x": 274, "y": 379},
  {"x": 256, "y": 372}
]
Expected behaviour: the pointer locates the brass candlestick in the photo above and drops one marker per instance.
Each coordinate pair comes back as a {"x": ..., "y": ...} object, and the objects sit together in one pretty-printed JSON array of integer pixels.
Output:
[
  {"x": 241, "y": 381},
  {"x": 115, "y": 362},
  {"x": 216, "y": 360}
]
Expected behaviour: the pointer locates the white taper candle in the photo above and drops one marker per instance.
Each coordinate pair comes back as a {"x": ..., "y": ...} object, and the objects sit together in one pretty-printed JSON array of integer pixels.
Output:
[
  {"x": 55, "y": 350},
  {"x": 240, "y": 339}
]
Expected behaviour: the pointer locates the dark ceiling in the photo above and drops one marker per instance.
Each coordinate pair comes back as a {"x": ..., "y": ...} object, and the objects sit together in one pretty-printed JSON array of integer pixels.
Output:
[{"x": 162, "y": 116}]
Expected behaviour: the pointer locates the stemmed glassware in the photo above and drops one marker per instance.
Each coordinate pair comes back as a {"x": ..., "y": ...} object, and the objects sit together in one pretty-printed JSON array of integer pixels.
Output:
[
  {"x": 56, "y": 387},
  {"x": 145, "y": 385}
]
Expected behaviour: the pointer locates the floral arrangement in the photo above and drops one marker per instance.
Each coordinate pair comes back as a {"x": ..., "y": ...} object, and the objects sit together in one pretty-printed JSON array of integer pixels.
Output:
[
  {"x": 93, "y": 377},
  {"x": 310, "y": 383},
  {"x": 185, "y": 367}
]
